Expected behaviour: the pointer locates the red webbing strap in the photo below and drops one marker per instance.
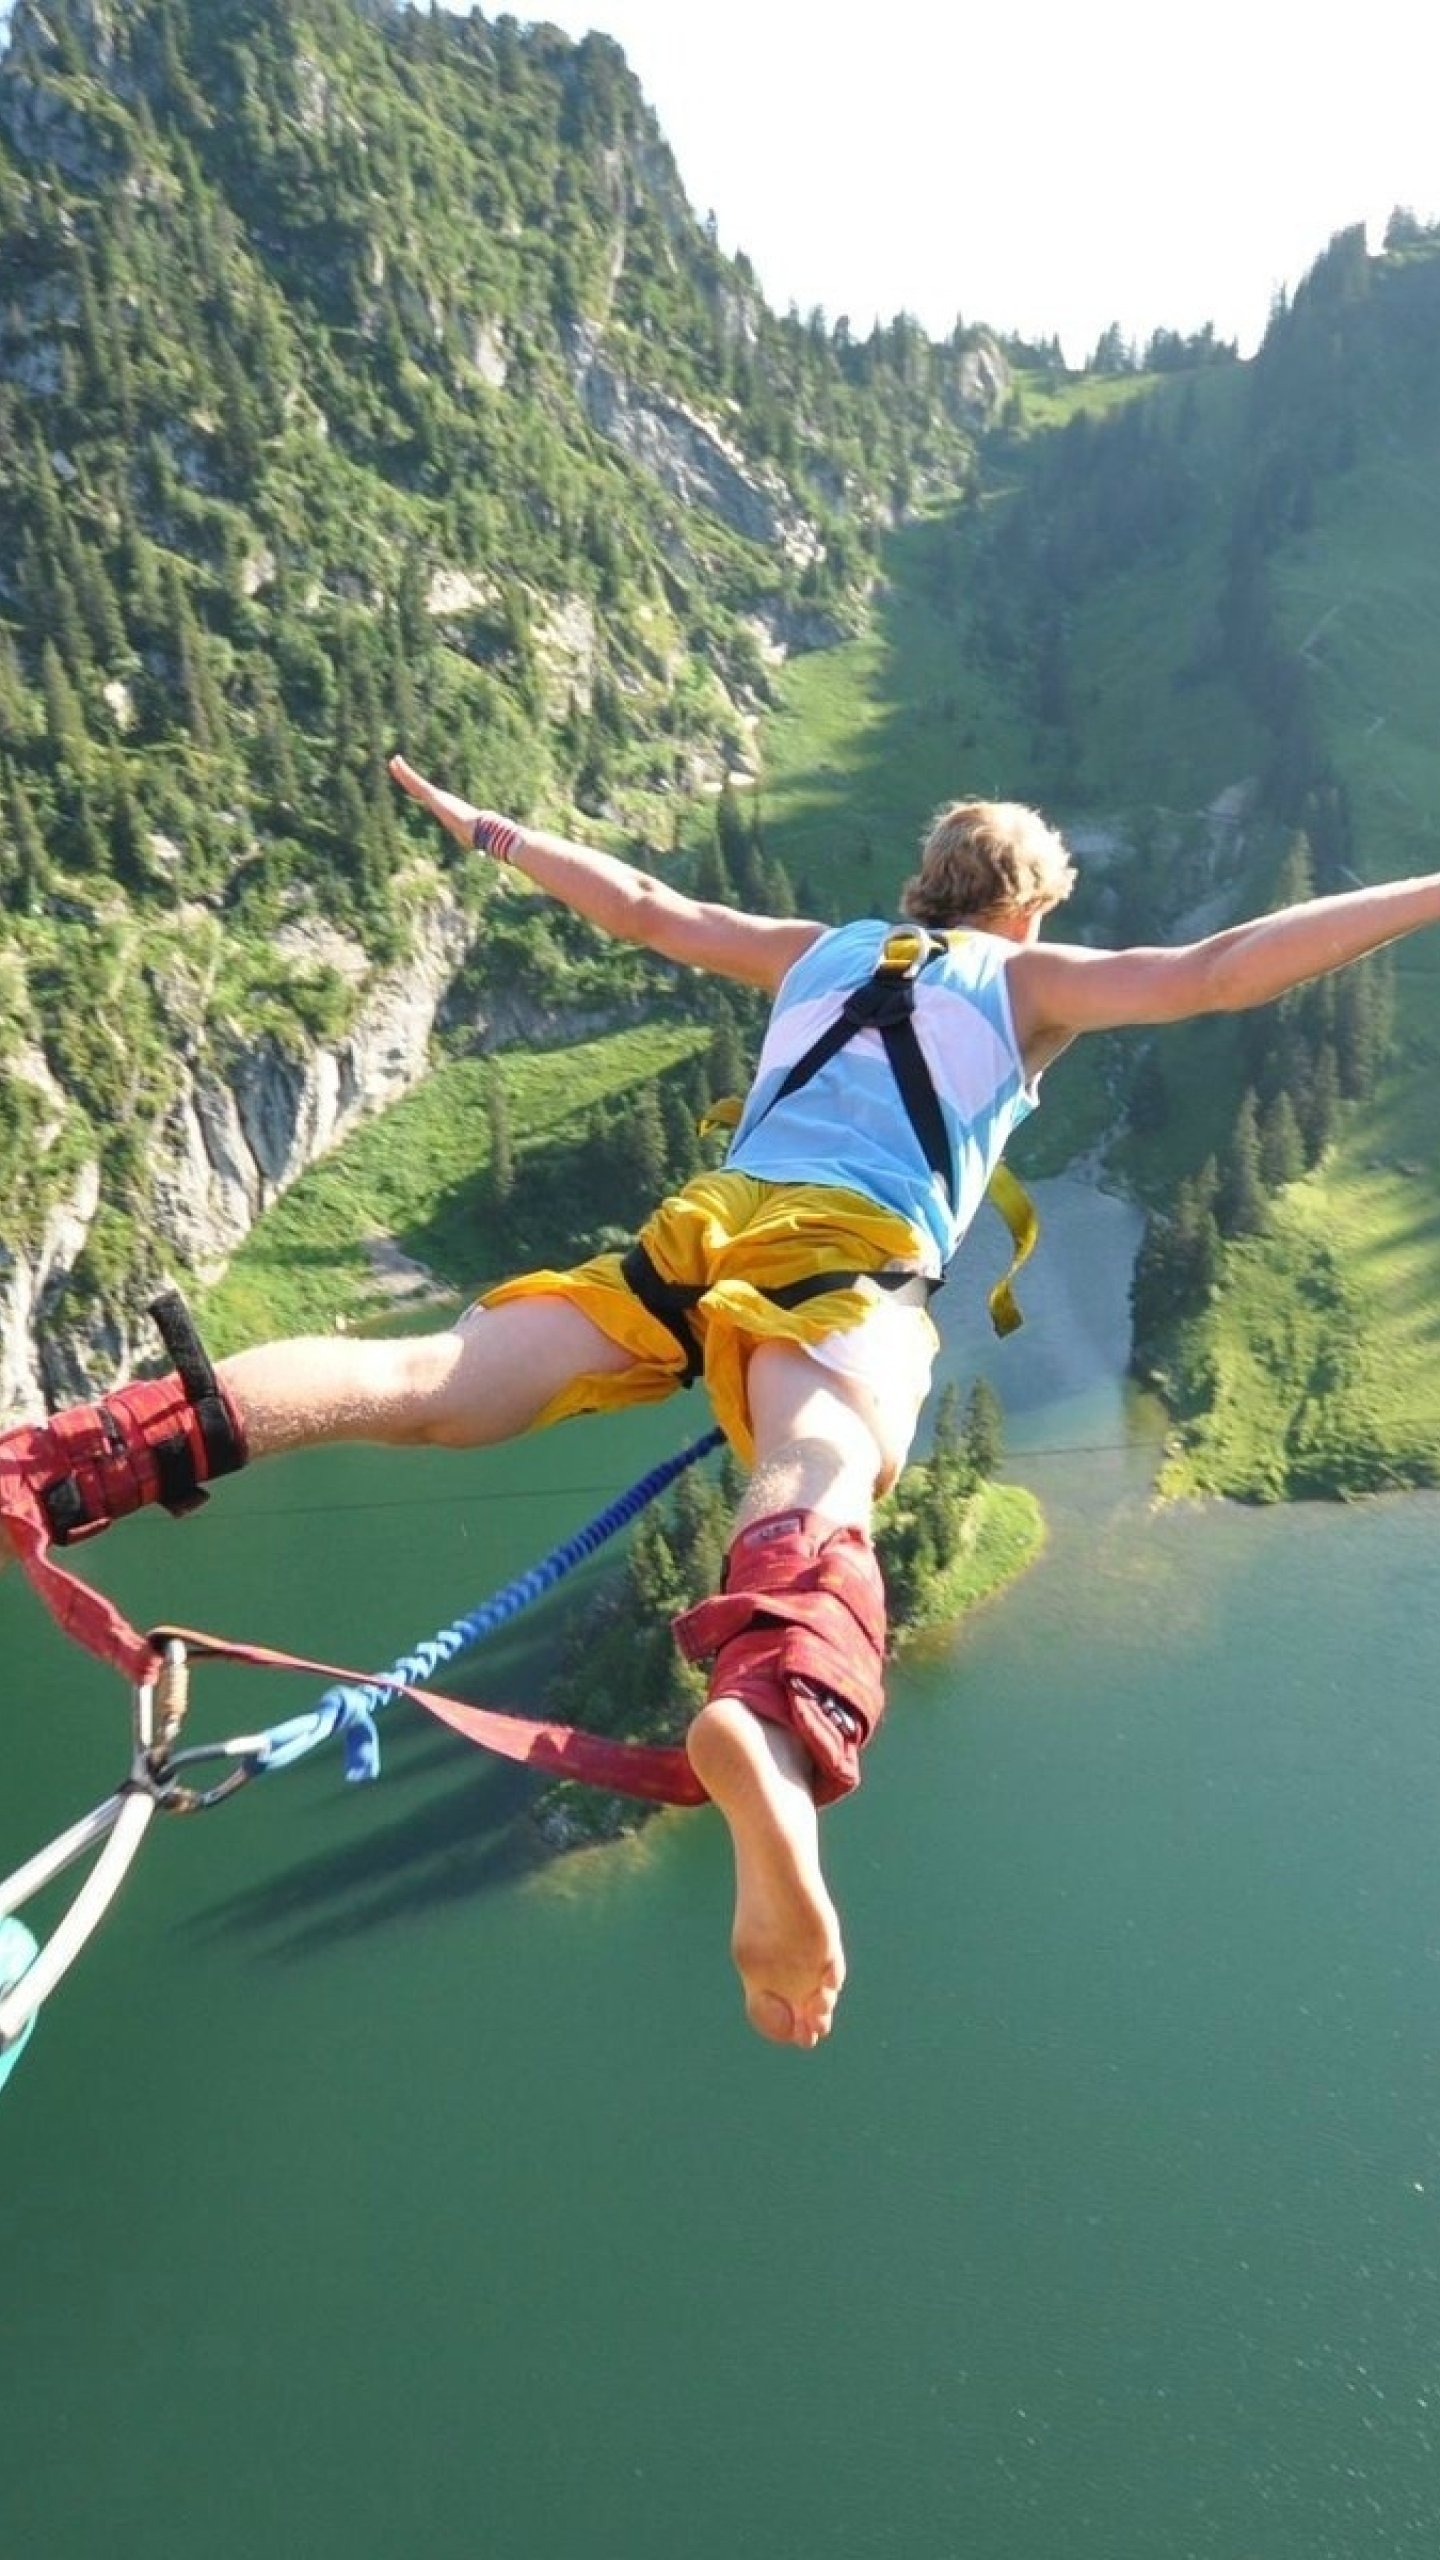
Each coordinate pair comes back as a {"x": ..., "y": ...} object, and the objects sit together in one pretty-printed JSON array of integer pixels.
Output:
[
  {"x": 658, "y": 1773},
  {"x": 77, "y": 1609}
]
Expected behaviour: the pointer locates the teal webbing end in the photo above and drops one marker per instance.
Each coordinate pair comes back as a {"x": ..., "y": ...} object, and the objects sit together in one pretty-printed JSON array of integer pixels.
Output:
[{"x": 18, "y": 1951}]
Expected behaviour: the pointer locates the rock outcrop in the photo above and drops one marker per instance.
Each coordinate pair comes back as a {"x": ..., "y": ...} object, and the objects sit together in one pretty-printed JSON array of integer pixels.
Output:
[{"x": 228, "y": 1146}]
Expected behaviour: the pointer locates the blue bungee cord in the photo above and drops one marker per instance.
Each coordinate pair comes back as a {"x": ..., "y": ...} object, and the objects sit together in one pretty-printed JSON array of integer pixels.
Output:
[{"x": 350, "y": 1708}]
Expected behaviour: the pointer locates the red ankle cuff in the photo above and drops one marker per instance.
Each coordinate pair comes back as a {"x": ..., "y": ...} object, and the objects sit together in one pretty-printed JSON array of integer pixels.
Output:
[
  {"x": 150, "y": 1442},
  {"x": 798, "y": 1636}
]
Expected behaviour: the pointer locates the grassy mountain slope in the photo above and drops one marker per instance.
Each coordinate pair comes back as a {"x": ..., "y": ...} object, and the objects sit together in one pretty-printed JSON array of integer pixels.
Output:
[
  {"x": 365, "y": 373},
  {"x": 1311, "y": 1367},
  {"x": 1284, "y": 633}
]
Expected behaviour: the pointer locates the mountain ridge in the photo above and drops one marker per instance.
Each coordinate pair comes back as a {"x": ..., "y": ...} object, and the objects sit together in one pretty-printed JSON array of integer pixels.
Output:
[{"x": 367, "y": 375}]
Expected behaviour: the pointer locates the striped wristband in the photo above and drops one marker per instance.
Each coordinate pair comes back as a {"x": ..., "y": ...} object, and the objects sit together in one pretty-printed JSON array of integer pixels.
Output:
[{"x": 499, "y": 837}]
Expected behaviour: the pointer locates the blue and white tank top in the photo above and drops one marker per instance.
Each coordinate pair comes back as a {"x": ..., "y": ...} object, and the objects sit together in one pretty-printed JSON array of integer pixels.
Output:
[{"x": 848, "y": 1125}]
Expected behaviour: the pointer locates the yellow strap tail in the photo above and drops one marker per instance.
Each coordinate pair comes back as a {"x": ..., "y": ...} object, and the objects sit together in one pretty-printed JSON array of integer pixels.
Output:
[{"x": 1019, "y": 1213}]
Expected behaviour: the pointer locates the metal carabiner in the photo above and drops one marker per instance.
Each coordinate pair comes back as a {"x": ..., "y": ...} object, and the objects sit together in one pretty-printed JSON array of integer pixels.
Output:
[{"x": 117, "y": 1826}]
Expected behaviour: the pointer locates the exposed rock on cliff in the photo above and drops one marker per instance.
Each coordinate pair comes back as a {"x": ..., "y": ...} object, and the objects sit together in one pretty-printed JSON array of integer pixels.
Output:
[{"x": 227, "y": 1147}]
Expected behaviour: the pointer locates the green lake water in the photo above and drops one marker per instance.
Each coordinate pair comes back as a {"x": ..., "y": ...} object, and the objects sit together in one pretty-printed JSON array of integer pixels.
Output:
[{"x": 368, "y": 2191}]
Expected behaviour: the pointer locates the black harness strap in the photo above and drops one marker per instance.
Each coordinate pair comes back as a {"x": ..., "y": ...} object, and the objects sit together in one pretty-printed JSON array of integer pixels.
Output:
[
  {"x": 886, "y": 1003},
  {"x": 907, "y": 1288},
  {"x": 670, "y": 1301}
]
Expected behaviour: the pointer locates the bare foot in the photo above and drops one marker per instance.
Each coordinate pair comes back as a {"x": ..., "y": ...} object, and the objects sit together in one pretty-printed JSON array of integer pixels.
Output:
[{"x": 786, "y": 1939}]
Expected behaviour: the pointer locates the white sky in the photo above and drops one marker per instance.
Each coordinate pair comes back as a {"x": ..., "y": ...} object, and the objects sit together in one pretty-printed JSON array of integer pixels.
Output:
[{"x": 1048, "y": 166}]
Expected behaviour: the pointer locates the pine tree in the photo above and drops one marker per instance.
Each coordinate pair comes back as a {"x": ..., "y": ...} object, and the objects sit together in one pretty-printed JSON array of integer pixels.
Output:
[
  {"x": 241, "y": 436},
  {"x": 733, "y": 842},
  {"x": 984, "y": 1434},
  {"x": 83, "y": 842},
  {"x": 1320, "y": 1113},
  {"x": 98, "y": 604},
  {"x": 777, "y": 897},
  {"x": 1282, "y": 1148},
  {"x": 644, "y": 1153},
  {"x": 683, "y": 1155},
  {"x": 130, "y": 855},
  {"x": 712, "y": 878},
  {"x": 274, "y": 761},
  {"x": 1296, "y": 879},
  {"x": 352, "y": 831},
  {"x": 1149, "y": 1099},
  {"x": 948, "y": 1454},
  {"x": 64, "y": 714},
  {"x": 725, "y": 1068},
  {"x": 702, "y": 1529},
  {"x": 33, "y": 871},
  {"x": 1364, "y": 1024},
  {"x": 201, "y": 701},
  {"x": 1241, "y": 1206},
  {"x": 54, "y": 606},
  {"x": 15, "y": 711},
  {"x": 502, "y": 1152},
  {"x": 1179, "y": 1262},
  {"x": 653, "y": 1576}
]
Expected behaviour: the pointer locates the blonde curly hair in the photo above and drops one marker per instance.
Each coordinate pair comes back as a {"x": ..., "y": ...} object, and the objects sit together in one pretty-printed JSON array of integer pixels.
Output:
[{"x": 980, "y": 855}]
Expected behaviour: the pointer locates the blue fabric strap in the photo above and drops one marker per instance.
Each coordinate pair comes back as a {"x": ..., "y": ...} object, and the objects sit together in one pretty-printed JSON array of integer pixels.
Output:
[{"x": 351, "y": 1710}]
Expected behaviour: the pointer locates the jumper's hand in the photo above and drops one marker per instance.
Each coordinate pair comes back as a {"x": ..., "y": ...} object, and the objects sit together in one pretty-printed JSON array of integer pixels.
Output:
[{"x": 455, "y": 815}]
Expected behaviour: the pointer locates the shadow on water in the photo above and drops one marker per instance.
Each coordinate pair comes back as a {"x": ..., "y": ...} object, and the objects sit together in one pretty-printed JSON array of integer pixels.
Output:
[
  {"x": 470, "y": 1835},
  {"x": 455, "y": 1847}
]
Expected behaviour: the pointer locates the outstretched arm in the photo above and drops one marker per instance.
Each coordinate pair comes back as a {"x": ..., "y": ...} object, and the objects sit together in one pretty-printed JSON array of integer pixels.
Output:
[
  {"x": 1062, "y": 989},
  {"x": 623, "y": 901}
]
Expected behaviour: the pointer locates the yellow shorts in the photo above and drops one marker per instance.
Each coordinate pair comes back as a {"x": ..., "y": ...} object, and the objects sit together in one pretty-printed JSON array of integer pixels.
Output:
[{"x": 735, "y": 1238}]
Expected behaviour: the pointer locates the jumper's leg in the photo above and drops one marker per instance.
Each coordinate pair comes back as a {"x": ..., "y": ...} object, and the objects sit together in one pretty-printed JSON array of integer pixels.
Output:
[{"x": 821, "y": 1446}]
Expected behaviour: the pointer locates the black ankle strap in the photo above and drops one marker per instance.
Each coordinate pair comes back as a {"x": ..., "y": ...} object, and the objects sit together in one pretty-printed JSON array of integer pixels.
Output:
[{"x": 224, "y": 1450}]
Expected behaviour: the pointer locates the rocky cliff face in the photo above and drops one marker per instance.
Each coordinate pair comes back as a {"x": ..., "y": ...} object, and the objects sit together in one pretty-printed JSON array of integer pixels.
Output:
[
  {"x": 689, "y": 456},
  {"x": 227, "y": 1148}
]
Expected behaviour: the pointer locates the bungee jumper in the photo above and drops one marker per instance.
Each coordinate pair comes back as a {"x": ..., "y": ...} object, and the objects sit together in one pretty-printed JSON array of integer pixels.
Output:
[{"x": 794, "y": 1281}]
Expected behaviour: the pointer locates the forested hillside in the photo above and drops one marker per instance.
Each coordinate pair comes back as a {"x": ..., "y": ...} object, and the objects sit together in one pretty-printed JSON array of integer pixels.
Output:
[
  {"x": 364, "y": 375},
  {"x": 367, "y": 377},
  {"x": 1229, "y": 598}
]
